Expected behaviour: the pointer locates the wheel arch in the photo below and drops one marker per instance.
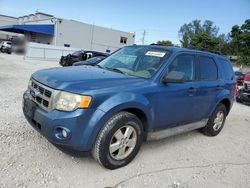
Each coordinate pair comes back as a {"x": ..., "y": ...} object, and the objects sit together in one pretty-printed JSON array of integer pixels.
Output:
[
  {"x": 227, "y": 103},
  {"x": 139, "y": 106},
  {"x": 142, "y": 117}
]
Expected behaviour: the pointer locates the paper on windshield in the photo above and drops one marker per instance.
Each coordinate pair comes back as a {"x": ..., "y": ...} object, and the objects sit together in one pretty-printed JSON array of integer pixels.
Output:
[{"x": 155, "y": 54}]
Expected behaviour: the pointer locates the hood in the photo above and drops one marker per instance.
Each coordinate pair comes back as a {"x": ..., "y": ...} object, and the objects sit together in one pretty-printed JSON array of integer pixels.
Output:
[{"x": 82, "y": 78}]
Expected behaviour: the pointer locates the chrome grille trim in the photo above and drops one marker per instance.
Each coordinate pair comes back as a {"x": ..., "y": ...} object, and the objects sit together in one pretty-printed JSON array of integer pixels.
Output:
[
  {"x": 247, "y": 85},
  {"x": 41, "y": 95}
]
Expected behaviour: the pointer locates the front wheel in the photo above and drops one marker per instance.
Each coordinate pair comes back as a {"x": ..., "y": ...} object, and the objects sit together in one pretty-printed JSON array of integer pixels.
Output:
[
  {"x": 119, "y": 141},
  {"x": 216, "y": 121}
]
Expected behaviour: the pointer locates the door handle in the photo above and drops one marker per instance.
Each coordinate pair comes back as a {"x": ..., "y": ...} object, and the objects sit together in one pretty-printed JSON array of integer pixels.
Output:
[
  {"x": 218, "y": 87},
  {"x": 192, "y": 90}
]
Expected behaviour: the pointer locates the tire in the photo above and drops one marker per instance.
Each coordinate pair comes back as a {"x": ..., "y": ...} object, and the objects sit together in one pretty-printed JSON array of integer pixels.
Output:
[
  {"x": 238, "y": 100},
  {"x": 211, "y": 129},
  {"x": 119, "y": 123}
]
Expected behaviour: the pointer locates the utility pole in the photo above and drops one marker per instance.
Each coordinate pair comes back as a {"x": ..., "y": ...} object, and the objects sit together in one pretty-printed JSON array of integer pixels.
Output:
[{"x": 143, "y": 36}]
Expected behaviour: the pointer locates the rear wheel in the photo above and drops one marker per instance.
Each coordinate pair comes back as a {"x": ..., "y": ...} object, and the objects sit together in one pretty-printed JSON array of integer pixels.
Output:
[
  {"x": 216, "y": 121},
  {"x": 119, "y": 141}
]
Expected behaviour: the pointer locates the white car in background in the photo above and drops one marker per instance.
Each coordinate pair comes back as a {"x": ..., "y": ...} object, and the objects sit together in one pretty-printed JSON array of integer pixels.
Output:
[{"x": 5, "y": 47}]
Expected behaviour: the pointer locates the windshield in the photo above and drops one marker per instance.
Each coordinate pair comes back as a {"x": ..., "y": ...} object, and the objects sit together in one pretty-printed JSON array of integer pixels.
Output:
[
  {"x": 95, "y": 59},
  {"x": 77, "y": 53},
  {"x": 140, "y": 61}
]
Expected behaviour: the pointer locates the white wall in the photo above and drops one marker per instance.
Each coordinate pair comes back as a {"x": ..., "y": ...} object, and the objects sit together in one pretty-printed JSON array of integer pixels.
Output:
[
  {"x": 5, "y": 20},
  {"x": 34, "y": 17},
  {"x": 44, "y": 21},
  {"x": 104, "y": 38},
  {"x": 74, "y": 33},
  {"x": 90, "y": 37},
  {"x": 46, "y": 52}
]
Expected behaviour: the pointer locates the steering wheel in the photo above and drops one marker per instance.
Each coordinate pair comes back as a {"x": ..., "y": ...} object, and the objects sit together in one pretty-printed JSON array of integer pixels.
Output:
[{"x": 151, "y": 70}]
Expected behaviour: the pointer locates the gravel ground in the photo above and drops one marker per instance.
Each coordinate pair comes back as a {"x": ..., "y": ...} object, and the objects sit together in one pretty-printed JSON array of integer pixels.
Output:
[{"x": 188, "y": 160}]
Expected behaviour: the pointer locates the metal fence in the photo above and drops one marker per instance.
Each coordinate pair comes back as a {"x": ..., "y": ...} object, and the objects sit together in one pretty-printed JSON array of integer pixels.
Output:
[{"x": 46, "y": 52}]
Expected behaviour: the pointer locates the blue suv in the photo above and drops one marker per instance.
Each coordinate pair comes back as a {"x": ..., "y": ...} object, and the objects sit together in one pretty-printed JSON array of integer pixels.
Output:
[{"x": 136, "y": 94}]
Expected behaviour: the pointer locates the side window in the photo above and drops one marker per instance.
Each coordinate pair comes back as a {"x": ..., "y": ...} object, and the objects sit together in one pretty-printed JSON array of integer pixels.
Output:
[
  {"x": 207, "y": 68},
  {"x": 227, "y": 73},
  {"x": 185, "y": 64}
]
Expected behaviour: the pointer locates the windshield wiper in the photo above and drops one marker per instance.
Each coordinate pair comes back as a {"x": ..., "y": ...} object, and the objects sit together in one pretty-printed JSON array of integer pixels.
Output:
[
  {"x": 99, "y": 66},
  {"x": 115, "y": 70}
]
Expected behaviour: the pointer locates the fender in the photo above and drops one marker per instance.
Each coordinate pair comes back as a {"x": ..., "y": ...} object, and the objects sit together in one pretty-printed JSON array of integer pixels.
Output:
[
  {"x": 225, "y": 94},
  {"x": 115, "y": 104}
]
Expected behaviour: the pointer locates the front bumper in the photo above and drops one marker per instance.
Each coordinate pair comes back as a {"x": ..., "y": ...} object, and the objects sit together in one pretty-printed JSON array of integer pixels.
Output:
[
  {"x": 244, "y": 96},
  {"x": 81, "y": 124}
]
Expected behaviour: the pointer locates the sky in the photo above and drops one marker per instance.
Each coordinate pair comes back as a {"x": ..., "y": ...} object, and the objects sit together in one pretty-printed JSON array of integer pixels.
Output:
[{"x": 161, "y": 19}]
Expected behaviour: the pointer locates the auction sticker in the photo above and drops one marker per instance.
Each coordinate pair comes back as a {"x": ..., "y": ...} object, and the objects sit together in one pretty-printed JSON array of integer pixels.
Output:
[{"x": 155, "y": 54}]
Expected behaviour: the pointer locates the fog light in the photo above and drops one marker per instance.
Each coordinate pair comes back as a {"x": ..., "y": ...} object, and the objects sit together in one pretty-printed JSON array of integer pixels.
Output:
[{"x": 64, "y": 133}]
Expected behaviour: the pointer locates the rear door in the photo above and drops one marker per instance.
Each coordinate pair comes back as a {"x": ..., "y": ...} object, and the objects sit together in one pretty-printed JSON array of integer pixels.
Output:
[
  {"x": 209, "y": 85},
  {"x": 227, "y": 75}
]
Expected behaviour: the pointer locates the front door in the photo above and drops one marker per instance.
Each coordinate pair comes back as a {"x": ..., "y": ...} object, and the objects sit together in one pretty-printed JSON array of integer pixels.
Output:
[{"x": 176, "y": 102}]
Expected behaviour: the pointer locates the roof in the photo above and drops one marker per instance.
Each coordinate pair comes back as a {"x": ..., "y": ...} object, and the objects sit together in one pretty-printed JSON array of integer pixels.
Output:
[
  {"x": 8, "y": 16},
  {"x": 177, "y": 49},
  {"x": 45, "y": 14},
  {"x": 43, "y": 29}
]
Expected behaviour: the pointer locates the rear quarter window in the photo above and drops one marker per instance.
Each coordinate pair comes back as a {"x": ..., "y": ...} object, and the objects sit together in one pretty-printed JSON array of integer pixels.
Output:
[{"x": 226, "y": 69}]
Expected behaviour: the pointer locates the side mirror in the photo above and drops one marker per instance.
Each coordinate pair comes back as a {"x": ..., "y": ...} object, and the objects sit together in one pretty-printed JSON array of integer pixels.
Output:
[{"x": 174, "y": 77}]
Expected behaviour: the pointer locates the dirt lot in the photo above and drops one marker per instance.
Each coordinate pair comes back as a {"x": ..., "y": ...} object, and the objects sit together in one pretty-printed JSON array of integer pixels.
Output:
[{"x": 188, "y": 160}]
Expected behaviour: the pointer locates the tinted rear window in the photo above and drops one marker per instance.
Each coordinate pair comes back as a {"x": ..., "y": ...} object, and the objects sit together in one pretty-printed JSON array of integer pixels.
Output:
[
  {"x": 227, "y": 70},
  {"x": 207, "y": 68}
]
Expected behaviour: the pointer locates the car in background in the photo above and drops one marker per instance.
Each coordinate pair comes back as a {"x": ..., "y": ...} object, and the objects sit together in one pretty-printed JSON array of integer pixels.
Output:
[
  {"x": 92, "y": 61},
  {"x": 80, "y": 55},
  {"x": 5, "y": 47},
  {"x": 243, "y": 95},
  {"x": 18, "y": 45},
  {"x": 239, "y": 77}
]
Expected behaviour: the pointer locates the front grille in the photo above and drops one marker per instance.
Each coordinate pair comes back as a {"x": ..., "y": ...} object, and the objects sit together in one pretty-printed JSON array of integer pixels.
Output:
[
  {"x": 41, "y": 95},
  {"x": 247, "y": 85}
]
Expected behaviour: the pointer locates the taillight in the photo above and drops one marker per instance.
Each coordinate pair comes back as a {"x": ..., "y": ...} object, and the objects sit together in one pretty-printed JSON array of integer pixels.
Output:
[{"x": 236, "y": 90}]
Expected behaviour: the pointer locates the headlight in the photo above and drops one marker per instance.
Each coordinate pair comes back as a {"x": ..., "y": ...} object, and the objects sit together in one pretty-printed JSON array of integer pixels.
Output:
[
  {"x": 69, "y": 102},
  {"x": 30, "y": 83}
]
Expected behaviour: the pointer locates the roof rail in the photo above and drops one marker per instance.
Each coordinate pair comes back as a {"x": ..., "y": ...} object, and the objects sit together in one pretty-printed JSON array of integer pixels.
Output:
[
  {"x": 155, "y": 44},
  {"x": 206, "y": 50}
]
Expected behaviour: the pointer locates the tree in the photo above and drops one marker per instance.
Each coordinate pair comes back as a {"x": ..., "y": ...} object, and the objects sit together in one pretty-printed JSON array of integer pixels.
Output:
[
  {"x": 165, "y": 43},
  {"x": 195, "y": 29},
  {"x": 224, "y": 46},
  {"x": 240, "y": 42},
  {"x": 235, "y": 35},
  {"x": 203, "y": 41},
  {"x": 209, "y": 28}
]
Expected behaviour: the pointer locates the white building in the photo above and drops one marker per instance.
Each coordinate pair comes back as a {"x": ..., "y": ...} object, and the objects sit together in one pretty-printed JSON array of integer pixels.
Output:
[{"x": 47, "y": 29}]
